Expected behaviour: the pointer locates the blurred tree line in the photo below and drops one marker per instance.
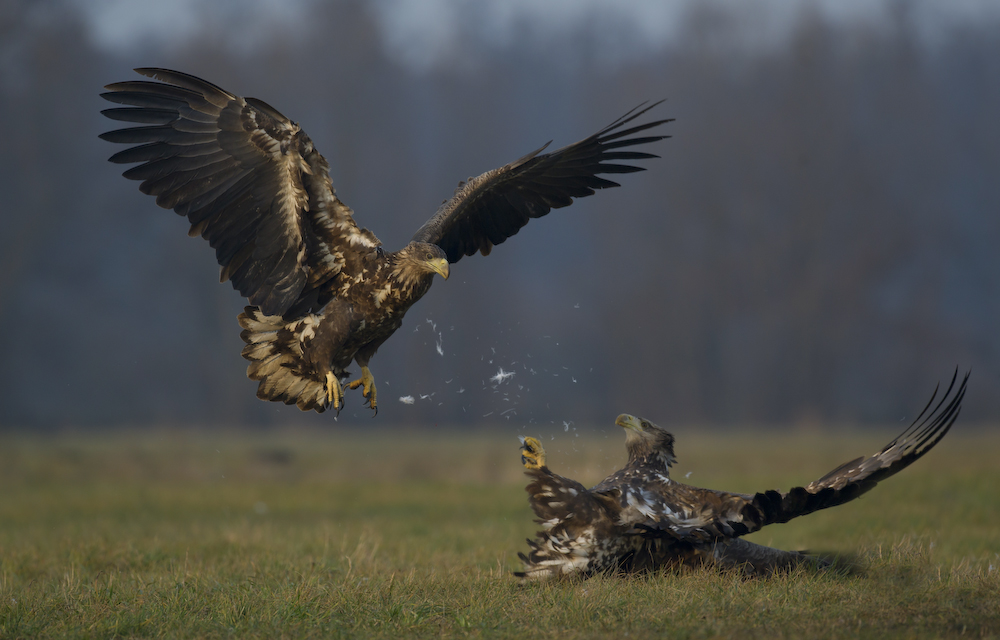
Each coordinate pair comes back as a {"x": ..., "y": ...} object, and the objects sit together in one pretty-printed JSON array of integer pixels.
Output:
[{"x": 818, "y": 242}]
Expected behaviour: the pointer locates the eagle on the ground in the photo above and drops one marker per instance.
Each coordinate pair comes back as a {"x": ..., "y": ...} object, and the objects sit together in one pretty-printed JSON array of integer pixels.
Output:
[
  {"x": 323, "y": 291},
  {"x": 640, "y": 519}
]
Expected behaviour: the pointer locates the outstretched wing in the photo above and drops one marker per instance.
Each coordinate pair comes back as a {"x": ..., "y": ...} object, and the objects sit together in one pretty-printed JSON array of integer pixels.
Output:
[
  {"x": 690, "y": 513},
  {"x": 851, "y": 479},
  {"x": 246, "y": 177},
  {"x": 488, "y": 209}
]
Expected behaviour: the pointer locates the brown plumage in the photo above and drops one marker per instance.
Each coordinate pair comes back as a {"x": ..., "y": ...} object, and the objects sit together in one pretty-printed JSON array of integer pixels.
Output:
[
  {"x": 322, "y": 290},
  {"x": 638, "y": 518}
]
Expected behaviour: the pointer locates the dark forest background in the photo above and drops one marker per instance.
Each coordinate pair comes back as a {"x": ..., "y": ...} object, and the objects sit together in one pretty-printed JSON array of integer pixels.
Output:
[{"x": 819, "y": 242}]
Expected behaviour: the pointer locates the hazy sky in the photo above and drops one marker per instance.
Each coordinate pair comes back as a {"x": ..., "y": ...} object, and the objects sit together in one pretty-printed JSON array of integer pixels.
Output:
[{"x": 420, "y": 33}]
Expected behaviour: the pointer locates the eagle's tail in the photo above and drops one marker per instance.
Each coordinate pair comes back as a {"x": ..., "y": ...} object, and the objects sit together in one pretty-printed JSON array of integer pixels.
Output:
[{"x": 274, "y": 349}]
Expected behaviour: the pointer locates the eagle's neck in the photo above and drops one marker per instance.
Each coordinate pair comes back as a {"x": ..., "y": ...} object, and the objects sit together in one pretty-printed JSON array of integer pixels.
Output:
[
  {"x": 658, "y": 461},
  {"x": 400, "y": 282},
  {"x": 410, "y": 279}
]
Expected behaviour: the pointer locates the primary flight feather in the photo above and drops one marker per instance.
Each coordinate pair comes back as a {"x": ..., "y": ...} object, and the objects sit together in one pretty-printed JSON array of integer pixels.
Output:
[{"x": 322, "y": 290}]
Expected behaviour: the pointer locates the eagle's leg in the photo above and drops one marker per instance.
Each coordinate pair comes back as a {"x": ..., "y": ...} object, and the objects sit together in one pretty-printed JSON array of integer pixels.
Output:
[
  {"x": 367, "y": 381},
  {"x": 532, "y": 453},
  {"x": 334, "y": 394}
]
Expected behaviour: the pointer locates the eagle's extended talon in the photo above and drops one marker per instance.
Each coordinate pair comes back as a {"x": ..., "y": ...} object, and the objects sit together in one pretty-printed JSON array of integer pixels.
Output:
[
  {"x": 532, "y": 453},
  {"x": 334, "y": 394},
  {"x": 367, "y": 382}
]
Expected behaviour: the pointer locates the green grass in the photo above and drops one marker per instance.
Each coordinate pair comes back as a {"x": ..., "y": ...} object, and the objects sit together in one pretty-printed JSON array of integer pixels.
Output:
[{"x": 397, "y": 533}]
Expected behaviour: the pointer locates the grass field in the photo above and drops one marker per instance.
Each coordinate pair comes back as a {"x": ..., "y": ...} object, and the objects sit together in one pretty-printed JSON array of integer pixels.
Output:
[{"x": 396, "y": 533}]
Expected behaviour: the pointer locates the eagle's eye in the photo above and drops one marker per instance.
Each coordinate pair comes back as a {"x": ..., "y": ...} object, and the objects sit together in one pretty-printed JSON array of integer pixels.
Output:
[{"x": 429, "y": 255}]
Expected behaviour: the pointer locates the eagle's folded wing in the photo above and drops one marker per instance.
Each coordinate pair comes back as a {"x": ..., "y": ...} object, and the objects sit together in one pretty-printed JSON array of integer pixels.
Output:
[{"x": 684, "y": 512}]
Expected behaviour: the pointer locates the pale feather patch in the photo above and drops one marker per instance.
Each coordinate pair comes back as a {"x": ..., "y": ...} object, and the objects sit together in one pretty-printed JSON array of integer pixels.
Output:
[
  {"x": 638, "y": 503},
  {"x": 380, "y": 295}
]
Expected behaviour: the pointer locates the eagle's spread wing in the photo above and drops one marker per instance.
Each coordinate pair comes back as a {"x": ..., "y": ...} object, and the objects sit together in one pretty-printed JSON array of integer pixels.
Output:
[
  {"x": 246, "y": 177},
  {"x": 690, "y": 513},
  {"x": 851, "y": 479},
  {"x": 490, "y": 208}
]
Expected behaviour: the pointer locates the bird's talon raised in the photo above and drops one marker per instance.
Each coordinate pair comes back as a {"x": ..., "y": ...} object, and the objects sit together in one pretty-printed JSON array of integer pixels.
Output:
[{"x": 532, "y": 453}]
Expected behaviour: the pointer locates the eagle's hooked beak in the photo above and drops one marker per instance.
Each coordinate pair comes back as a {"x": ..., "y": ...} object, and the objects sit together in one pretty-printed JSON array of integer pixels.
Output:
[
  {"x": 631, "y": 423},
  {"x": 440, "y": 266},
  {"x": 634, "y": 431}
]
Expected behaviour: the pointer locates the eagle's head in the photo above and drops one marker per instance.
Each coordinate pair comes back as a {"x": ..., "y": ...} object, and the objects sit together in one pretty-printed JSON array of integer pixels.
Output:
[
  {"x": 646, "y": 441},
  {"x": 424, "y": 258}
]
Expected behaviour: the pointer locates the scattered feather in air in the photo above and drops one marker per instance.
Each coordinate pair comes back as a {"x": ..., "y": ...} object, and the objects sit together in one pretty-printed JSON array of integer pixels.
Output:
[
  {"x": 687, "y": 475},
  {"x": 440, "y": 345},
  {"x": 406, "y": 399},
  {"x": 502, "y": 376}
]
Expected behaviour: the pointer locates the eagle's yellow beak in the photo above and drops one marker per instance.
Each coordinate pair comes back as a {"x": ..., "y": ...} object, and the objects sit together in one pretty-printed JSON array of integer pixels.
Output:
[
  {"x": 625, "y": 421},
  {"x": 440, "y": 266}
]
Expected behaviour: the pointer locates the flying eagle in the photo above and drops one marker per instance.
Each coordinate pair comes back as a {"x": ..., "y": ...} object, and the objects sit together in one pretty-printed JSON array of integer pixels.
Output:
[
  {"x": 640, "y": 519},
  {"x": 322, "y": 290}
]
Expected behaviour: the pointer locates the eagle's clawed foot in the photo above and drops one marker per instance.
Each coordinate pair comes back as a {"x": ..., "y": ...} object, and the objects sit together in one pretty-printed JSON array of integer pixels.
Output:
[
  {"x": 367, "y": 381},
  {"x": 532, "y": 453},
  {"x": 334, "y": 394}
]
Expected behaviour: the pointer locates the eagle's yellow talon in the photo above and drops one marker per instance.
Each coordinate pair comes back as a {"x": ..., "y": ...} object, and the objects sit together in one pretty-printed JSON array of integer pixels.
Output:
[
  {"x": 367, "y": 381},
  {"x": 532, "y": 453},
  {"x": 334, "y": 394}
]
